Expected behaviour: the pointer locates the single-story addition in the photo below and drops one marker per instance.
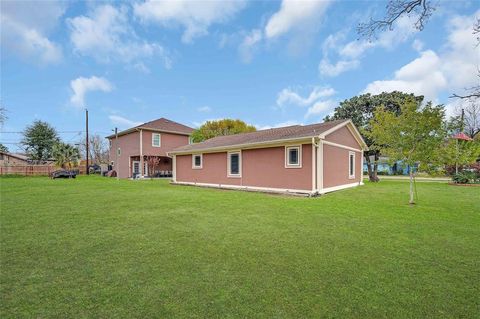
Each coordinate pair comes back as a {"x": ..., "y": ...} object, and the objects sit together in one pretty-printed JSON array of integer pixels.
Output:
[
  {"x": 141, "y": 151},
  {"x": 311, "y": 159}
]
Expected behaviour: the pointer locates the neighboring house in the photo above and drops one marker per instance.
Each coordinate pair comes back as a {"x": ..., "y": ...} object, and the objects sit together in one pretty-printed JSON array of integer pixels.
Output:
[
  {"x": 12, "y": 159},
  {"x": 311, "y": 159},
  {"x": 137, "y": 146}
]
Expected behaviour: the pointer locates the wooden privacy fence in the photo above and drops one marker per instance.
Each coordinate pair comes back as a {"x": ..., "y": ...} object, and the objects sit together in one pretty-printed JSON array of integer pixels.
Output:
[{"x": 33, "y": 170}]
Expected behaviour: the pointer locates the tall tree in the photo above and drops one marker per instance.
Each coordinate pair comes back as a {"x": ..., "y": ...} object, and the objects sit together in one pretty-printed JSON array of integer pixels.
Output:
[
  {"x": 65, "y": 155},
  {"x": 38, "y": 140},
  {"x": 413, "y": 136},
  {"x": 221, "y": 127},
  {"x": 360, "y": 110}
]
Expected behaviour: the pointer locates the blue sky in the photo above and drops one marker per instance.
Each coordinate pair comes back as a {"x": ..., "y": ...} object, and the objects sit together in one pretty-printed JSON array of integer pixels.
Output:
[{"x": 270, "y": 63}]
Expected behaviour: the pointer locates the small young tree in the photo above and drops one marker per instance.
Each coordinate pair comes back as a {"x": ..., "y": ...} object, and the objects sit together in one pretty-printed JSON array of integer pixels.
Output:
[
  {"x": 459, "y": 152},
  {"x": 152, "y": 164},
  {"x": 414, "y": 136},
  {"x": 38, "y": 140},
  {"x": 65, "y": 155}
]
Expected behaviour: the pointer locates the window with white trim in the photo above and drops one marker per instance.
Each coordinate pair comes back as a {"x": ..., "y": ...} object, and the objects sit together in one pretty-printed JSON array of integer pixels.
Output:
[
  {"x": 156, "y": 140},
  {"x": 351, "y": 165},
  {"x": 119, "y": 151},
  {"x": 190, "y": 140},
  {"x": 197, "y": 161},
  {"x": 234, "y": 164},
  {"x": 293, "y": 156}
]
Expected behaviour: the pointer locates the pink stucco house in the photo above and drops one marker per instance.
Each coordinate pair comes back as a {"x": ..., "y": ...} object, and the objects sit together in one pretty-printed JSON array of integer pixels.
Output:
[
  {"x": 142, "y": 150},
  {"x": 311, "y": 159}
]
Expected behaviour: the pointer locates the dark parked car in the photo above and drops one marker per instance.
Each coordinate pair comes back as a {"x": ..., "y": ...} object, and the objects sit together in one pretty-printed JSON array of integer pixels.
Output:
[
  {"x": 94, "y": 169},
  {"x": 63, "y": 173}
]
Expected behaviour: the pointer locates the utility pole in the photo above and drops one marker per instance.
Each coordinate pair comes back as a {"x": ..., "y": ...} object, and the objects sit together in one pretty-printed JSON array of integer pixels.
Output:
[
  {"x": 86, "y": 142},
  {"x": 116, "y": 153},
  {"x": 462, "y": 119}
]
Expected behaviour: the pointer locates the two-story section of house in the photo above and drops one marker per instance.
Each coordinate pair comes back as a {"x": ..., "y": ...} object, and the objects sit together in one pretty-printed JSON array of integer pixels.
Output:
[{"x": 141, "y": 151}]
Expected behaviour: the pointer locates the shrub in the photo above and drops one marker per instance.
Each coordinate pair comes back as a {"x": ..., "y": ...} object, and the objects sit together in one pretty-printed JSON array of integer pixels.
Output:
[{"x": 465, "y": 177}]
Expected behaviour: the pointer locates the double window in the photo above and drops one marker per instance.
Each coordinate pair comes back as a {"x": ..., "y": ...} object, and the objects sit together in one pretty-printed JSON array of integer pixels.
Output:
[
  {"x": 156, "y": 140},
  {"x": 293, "y": 156},
  {"x": 197, "y": 161},
  {"x": 234, "y": 168},
  {"x": 351, "y": 165}
]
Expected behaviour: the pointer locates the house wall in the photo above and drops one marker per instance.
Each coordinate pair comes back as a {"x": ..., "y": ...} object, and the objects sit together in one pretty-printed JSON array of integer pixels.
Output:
[
  {"x": 263, "y": 167},
  {"x": 335, "y": 159},
  {"x": 130, "y": 147},
  {"x": 343, "y": 136}
]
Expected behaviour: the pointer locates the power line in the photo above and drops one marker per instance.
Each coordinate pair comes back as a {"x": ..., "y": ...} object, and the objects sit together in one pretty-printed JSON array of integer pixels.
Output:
[{"x": 21, "y": 132}]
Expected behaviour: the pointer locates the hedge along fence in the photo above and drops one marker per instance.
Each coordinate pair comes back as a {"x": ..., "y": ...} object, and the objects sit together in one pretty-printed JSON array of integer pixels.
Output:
[{"x": 33, "y": 170}]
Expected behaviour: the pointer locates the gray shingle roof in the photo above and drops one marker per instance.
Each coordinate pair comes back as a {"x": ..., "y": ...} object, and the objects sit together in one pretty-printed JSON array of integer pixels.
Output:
[
  {"x": 263, "y": 136},
  {"x": 162, "y": 124}
]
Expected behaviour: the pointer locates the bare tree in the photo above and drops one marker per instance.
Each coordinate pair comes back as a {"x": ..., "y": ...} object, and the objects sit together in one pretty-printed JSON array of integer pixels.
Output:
[
  {"x": 97, "y": 149},
  {"x": 3, "y": 115},
  {"x": 471, "y": 118},
  {"x": 420, "y": 9}
]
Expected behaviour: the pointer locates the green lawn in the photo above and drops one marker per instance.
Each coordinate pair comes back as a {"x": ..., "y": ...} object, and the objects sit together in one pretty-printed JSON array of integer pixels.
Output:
[{"x": 95, "y": 247}]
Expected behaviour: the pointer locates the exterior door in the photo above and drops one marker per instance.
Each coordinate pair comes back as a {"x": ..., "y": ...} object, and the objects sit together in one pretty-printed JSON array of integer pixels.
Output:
[{"x": 135, "y": 168}]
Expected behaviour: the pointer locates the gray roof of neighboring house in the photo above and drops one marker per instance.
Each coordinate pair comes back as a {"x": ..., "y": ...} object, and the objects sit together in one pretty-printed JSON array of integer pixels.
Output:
[
  {"x": 16, "y": 155},
  {"x": 161, "y": 125},
  {"x": 263, "y": 136}
]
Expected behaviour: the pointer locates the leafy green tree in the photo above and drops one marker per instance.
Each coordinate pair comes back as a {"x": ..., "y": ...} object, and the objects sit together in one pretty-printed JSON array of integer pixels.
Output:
[
  {"x": 38, "y": 140},
  {"x": 413, "y": 136},
  {"x": 65, "y": 155},
  {"x": 360, "y": 109},
  {"x": 460, "y": 152},
  {"x": 3, "y": 148},
  {"x": 220, "y": 127}
]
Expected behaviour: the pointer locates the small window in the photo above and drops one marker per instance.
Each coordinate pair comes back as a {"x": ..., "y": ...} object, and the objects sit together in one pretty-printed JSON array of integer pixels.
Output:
[
  {"x": 156, "y": 140},
  {"x": 234, "y": 164},
  {"x": 293, "y": 157},
  {"x": 351, "y": 165},
  {"x": 190, "y": 140},
  {"x": 119, "y": 151},
  {"x": 197, "y": 161}
]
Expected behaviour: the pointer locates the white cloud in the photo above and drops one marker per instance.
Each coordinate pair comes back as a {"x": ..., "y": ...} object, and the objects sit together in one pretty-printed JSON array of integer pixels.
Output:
[
  {"x": 451, "y": 70},
  {"x": 248, "y": 44},
  {"x": 106, "y": 35},
  {"x": 328, "y": 69},
  {"x": 349, "y": 54},
  {"x": 122, "y": 122},
  {"x": 204, "y": 109},
  {"x": 320, "y": 107},
  {"x": 417, "y": 45},
  {"x": 25, "y": 26},
  {"x": 81, "y": 86},
  {"x": 295, "y": 14},
  {"x": 289, "y": 96},
  {"x": 195, "y": 16},
  {"x": 282, "y": 124}
]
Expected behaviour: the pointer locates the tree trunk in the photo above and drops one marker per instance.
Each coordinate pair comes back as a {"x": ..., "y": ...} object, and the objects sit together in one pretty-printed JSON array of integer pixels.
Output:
[
  {"x": 372, "y": 174},
  {"x": 412, "y": 201}
]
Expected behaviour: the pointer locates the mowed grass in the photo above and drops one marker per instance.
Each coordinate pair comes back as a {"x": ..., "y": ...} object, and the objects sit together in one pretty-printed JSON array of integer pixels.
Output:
[{"x": 100, "y": 248}]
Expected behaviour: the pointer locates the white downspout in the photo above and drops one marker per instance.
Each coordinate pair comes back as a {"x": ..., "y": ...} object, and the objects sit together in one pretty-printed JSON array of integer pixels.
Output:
[{"x": 141, "y": 154}]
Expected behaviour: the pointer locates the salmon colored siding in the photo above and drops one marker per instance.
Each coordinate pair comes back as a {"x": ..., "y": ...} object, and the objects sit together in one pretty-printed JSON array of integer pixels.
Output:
[
  {"x": 335, "y": 166},
  {"x": 130, "y": 147},
  {"x": 263, "y": 167},
  {"x": 343, "y": 136},
  {"x": 168, "y": 142},
  {"x": 335, "y": 159}
]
